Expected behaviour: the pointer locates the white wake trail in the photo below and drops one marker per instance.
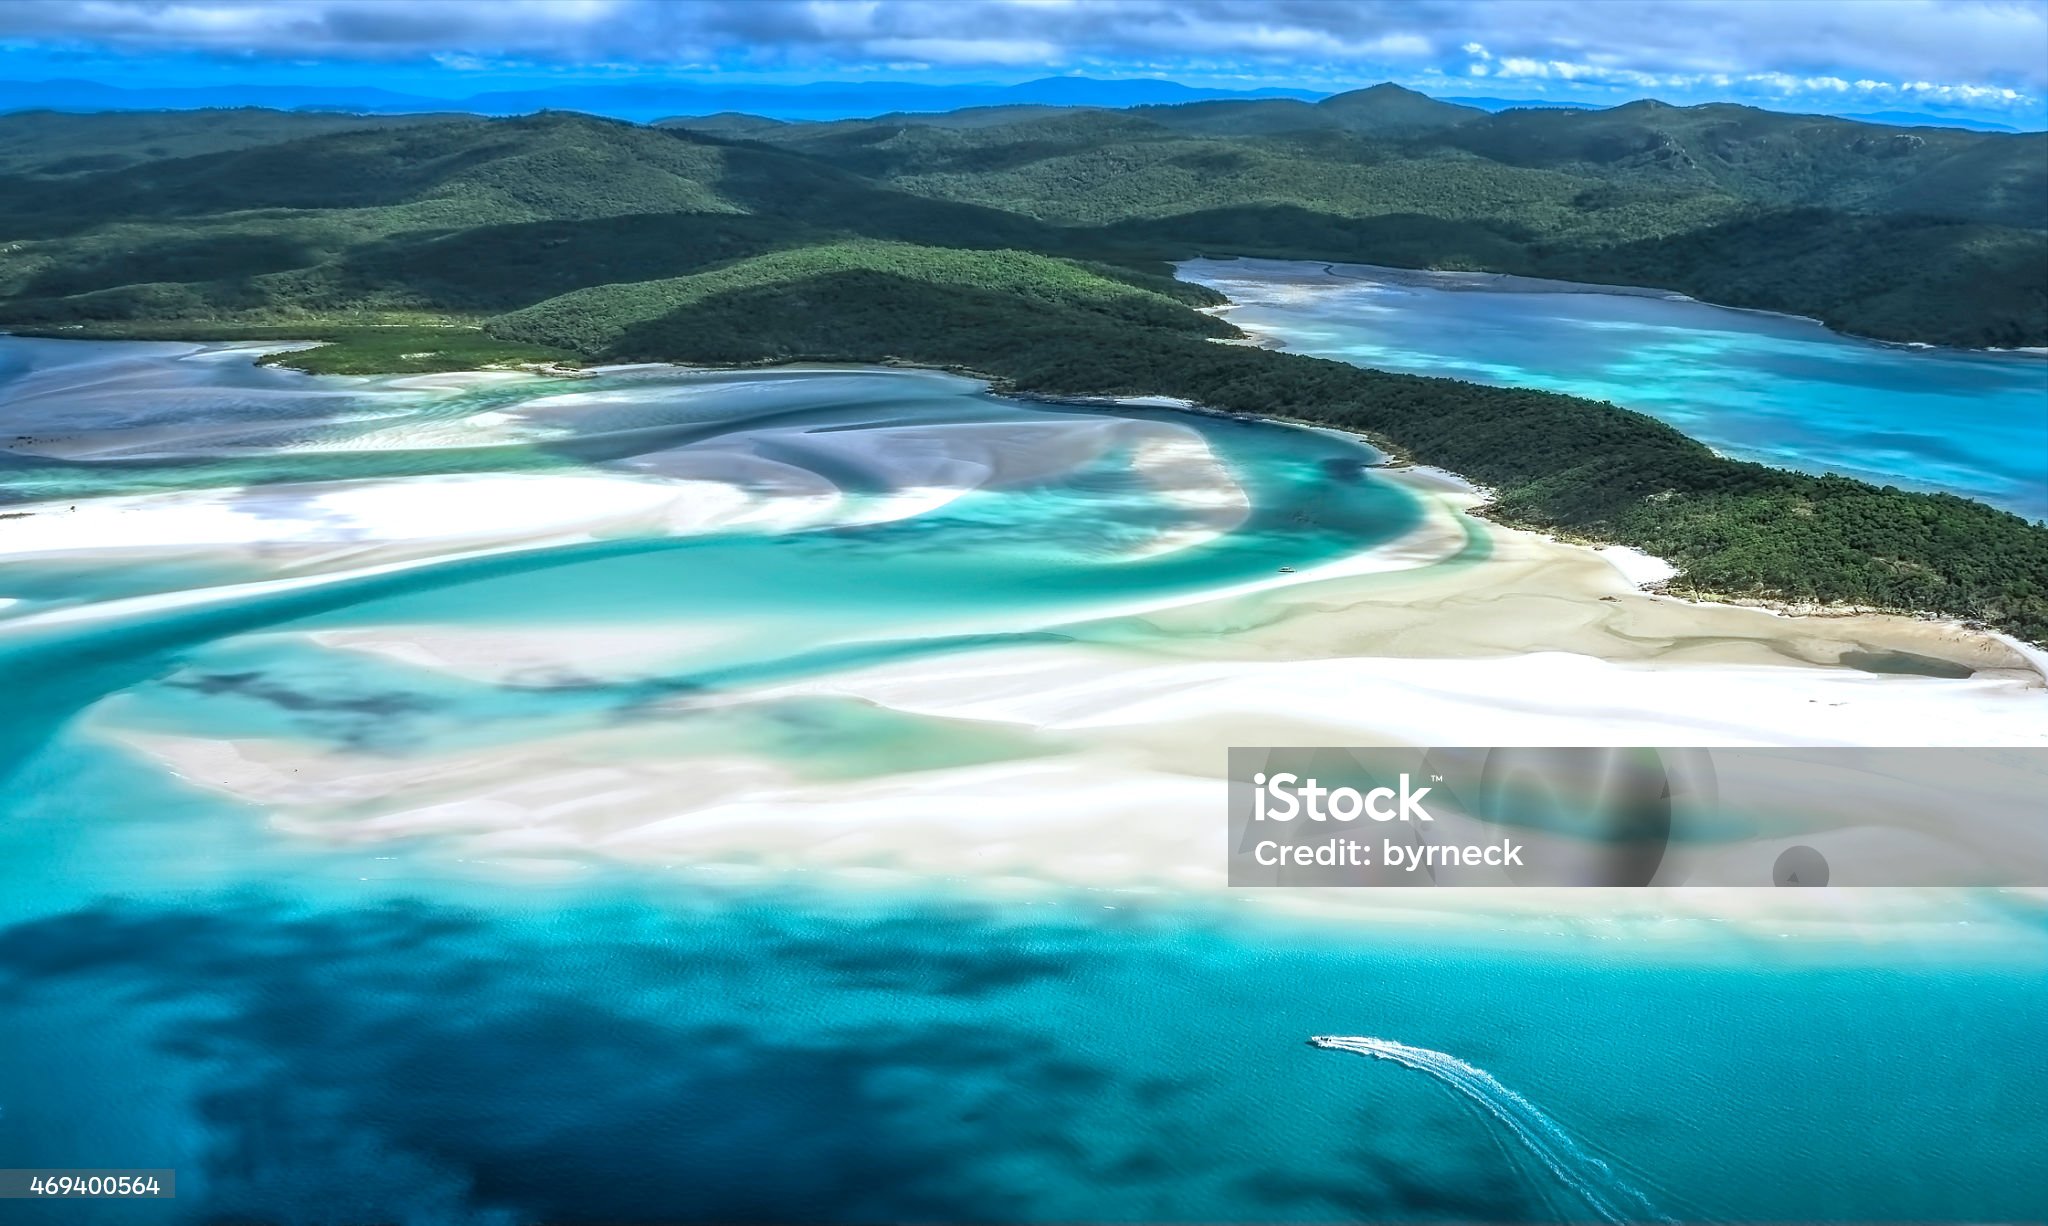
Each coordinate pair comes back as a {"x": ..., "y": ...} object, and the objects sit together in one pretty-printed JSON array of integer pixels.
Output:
[{"x": 1605, "y": 1192}]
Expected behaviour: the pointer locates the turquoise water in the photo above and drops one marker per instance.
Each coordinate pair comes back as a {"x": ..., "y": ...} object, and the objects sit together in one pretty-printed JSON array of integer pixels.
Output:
[
  {"x": 353, "y": 1028},
  {"x": 1008, "y": 560},
  {"x": 1771, "y": 388},
  {"x": 301, "y": 1045}
]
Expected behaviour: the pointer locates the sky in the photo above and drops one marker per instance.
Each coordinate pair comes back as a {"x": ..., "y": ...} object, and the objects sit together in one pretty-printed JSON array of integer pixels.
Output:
[{"x": 1983, "y": 59}]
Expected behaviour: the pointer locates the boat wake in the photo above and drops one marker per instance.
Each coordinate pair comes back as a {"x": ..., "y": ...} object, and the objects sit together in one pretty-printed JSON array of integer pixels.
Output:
[{"x": 1606, "y": 1193}]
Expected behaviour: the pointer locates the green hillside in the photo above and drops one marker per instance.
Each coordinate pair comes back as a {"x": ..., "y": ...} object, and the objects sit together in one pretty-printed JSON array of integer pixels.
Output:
[
  {"x": 1896, "y": 233},
  {"x": 1382, "y": 110},
  {"x": 54, "y": 143},
  {"x": 456, "y": 219},
  {"x": 470, "y": 172},
  {"x": 1705, "y": 200},
  {"x": 1775, "y": 159},
  {"x": 817, "y": 292},
  {"x": 1388, "y": 108},
  {"x": 724, "y": 123}
]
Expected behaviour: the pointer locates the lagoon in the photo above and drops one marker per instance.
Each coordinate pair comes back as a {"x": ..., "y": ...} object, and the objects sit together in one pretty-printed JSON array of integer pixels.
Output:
[{"x": 1756, "y": 386}]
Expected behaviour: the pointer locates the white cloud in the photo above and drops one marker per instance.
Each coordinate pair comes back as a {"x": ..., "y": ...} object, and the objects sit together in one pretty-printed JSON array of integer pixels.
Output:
[
  {"x": 967, "y": 50},
  {"x": 1979, "y": 52}
]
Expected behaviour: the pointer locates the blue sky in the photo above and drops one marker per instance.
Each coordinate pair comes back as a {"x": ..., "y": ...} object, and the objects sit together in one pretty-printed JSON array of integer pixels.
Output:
[{"x": 1979, "y": 58}]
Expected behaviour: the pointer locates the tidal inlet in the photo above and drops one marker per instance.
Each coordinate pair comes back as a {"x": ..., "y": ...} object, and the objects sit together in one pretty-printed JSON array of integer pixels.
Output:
[{"x": 797, "y": 793}]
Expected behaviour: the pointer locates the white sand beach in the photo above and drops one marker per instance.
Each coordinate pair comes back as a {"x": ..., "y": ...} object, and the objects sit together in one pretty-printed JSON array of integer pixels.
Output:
[{"x": 1541, "y": 643}]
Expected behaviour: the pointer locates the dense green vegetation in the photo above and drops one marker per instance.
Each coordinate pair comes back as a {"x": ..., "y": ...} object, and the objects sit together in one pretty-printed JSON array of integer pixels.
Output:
[
  {"x": 1031, "y": 244},
  {"x": 57, "y": 143},
  {"x": 613, "y": 319},
  {"x": 1906, "y": 234},
  {"x": 345, "y": 349}
]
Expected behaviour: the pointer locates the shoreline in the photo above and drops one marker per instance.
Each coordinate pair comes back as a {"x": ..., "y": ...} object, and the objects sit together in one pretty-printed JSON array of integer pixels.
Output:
[{"x": 1398, "y": 459}]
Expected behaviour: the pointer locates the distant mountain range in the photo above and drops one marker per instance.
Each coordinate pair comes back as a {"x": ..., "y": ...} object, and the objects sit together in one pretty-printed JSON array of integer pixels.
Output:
[
  {"x": 817, "y": 101},
  {"x": 823, "y": 100},
  {"x": 1915, "y": 118}
]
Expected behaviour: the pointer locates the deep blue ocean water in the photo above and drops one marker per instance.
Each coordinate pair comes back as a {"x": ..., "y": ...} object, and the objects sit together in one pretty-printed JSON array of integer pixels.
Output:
[{"x": 356, "y": 1030}]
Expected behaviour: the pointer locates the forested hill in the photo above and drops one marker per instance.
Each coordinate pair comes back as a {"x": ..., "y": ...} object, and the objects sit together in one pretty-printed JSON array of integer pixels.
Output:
[
  {"x": 1919, "y": 234},
  {"x": 1910, "y": 234},
  {"x": 45, "y": 144},
  {"x": 1033, "y": 246}
]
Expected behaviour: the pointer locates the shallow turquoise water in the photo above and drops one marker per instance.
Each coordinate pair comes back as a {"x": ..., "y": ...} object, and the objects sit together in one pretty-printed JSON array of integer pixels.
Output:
[
  {"x": 332, "y": 1031},
  {"x": 1016, "y": 558},
  {"x": 1771, "y": 388}
]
